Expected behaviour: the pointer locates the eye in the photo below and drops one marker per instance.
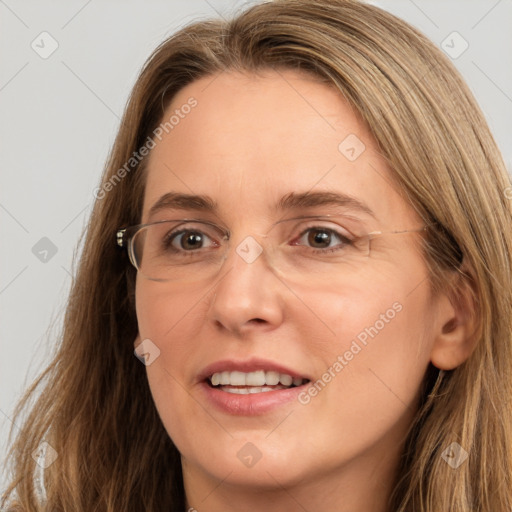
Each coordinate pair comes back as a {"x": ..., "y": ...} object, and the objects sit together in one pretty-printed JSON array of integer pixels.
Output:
[
  {"x": 321, "y": 238},
  {"x": 188, "y": 240}
]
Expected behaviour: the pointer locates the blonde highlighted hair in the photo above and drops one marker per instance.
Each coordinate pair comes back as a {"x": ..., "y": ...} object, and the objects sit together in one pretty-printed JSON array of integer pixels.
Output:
[{"x": 96, "y": 410}]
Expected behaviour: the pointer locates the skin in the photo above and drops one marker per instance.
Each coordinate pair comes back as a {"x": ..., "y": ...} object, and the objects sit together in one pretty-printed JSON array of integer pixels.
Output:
[{"x": 249, "y": 141}]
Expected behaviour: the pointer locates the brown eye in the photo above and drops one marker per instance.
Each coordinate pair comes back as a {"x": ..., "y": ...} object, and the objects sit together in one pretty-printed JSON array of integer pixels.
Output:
[
  {"x": 186, "y": 240},
  {"x": 322, "y": 238}
]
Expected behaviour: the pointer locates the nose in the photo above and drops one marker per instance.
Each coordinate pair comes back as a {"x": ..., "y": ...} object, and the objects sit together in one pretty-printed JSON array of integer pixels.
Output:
[{"x": 248, "y": 294}]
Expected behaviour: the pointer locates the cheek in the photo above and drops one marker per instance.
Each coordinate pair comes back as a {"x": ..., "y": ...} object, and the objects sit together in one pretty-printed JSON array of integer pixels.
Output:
[
  {"x": 173, "y": 321},
  {"x": 378, "y": 358},
  {"x": 168, "y": 317}
]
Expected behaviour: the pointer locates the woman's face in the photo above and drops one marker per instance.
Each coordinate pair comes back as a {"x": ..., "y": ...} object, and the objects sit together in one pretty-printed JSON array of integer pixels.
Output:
[{"x": 356, "y": 330}]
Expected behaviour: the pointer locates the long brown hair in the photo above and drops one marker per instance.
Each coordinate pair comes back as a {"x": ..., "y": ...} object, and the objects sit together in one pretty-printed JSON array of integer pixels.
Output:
[{"x": 96, "y": 410}]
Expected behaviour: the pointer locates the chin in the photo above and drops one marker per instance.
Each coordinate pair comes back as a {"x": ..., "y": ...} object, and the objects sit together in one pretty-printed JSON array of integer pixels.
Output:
[{"x": 270, "y": 471}]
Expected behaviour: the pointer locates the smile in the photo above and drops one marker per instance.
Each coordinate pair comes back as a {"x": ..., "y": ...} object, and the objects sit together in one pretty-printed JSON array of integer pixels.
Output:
[
  {"x": 259, "y": 381},
  {"x": 250, "y": 387}
]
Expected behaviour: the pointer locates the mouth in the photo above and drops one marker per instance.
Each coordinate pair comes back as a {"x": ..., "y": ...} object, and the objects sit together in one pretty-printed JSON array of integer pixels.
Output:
[
  {"x": 260, "y": 381},
  {"x": 251, "y": 387}
]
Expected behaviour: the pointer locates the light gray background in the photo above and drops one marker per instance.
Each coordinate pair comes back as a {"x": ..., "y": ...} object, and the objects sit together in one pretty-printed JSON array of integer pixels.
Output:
[{"x": 59, "y": 116}]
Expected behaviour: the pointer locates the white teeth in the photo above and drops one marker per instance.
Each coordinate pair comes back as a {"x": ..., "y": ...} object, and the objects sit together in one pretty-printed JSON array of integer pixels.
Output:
[
  {"x": 271, "y": 378},
  {"x": 256, "y": 380},
  {"x": 237, "y": 391},
  {"x": 285, "y": 380},
  {"x": 249, "y": 390},
  {"x": 237, "y": 378}
]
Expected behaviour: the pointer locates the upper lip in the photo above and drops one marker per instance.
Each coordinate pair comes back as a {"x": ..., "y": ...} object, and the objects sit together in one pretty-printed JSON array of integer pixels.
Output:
[{"x": 249, "y": 365}]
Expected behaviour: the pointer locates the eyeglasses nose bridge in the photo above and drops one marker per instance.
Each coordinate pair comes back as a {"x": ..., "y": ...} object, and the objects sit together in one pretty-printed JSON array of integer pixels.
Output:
[{"x": 250, "y": 248}]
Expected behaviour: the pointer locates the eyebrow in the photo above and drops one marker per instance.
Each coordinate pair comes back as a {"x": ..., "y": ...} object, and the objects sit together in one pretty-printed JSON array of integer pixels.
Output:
[{"x": 291, "y": 201}]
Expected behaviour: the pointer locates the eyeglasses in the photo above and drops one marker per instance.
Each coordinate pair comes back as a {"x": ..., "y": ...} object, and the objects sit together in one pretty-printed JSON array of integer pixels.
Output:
[{"x": 192, "y": 250}]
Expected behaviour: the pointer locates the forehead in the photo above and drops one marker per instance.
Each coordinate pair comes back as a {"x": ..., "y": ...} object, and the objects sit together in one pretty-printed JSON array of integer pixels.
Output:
[{"x": 248, "y": 140}]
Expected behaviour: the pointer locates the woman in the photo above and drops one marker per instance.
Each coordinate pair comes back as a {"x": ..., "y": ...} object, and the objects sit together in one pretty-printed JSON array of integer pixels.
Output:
[{"x": 303, "y": 231}]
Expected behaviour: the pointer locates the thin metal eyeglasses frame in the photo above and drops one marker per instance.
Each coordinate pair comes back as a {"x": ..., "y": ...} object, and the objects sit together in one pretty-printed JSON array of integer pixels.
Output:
[{"x": 125, "y": 236}]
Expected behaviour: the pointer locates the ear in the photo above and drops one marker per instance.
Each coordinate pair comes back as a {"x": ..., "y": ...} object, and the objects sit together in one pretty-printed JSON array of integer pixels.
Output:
[
  {"x": 137, "y": 341},
  {"x": 457, "y": 329}
]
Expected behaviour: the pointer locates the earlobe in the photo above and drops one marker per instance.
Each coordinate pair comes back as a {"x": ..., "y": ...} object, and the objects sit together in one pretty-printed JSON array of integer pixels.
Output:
[
  {"x": 457, "y": 327},
  {"x": 137, "y": 341}
]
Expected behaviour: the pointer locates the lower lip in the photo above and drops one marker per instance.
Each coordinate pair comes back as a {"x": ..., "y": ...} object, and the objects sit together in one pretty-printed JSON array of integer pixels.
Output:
[{"x": 251, "y": 404}]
